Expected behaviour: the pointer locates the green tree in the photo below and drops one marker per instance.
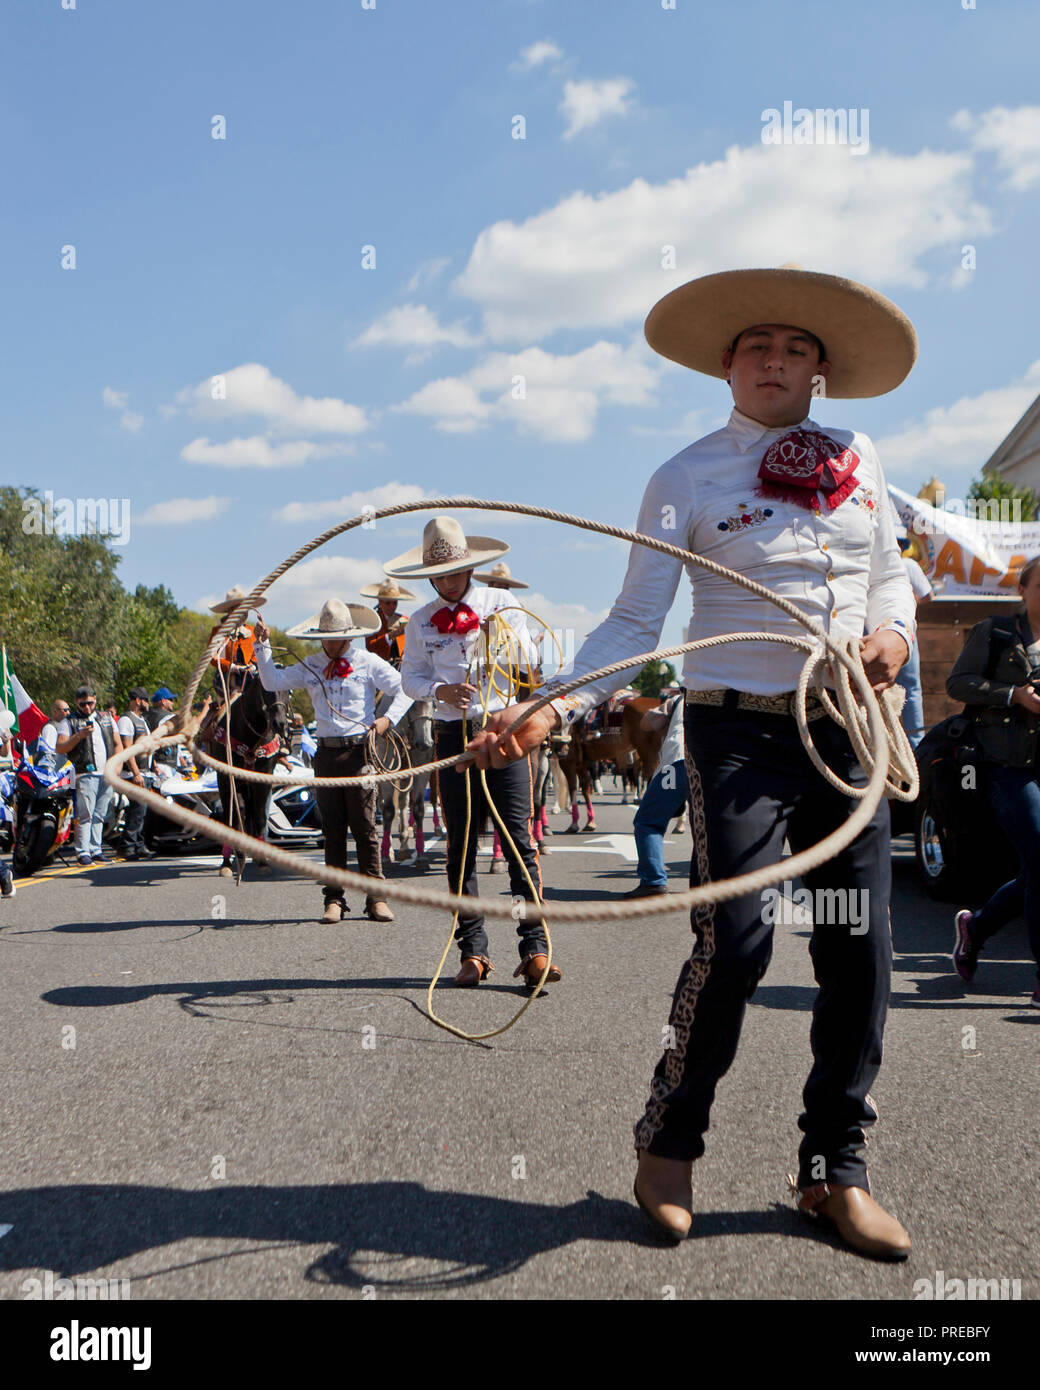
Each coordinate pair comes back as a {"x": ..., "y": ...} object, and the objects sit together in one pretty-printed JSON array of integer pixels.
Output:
[
  {"x": 991, "y": 488},
  {"x": 654, "y": 676}
]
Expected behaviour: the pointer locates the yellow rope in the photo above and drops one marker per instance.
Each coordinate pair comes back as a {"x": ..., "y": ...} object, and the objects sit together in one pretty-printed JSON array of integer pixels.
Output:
[{"x": 492, "y": 670}]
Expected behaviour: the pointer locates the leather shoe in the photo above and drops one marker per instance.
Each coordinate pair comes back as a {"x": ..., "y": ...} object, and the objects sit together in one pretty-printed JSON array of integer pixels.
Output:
[
  {"x": 860, "y": 1222},
  {"x": 647, "y": 890},
  {"x": 533, "y": 967},
  {"x": 664, "y": 1192},
  {"x": 378, "y": 911},
  {"x": 474, "y": 969},
  {"x": 334, "y": 912}
]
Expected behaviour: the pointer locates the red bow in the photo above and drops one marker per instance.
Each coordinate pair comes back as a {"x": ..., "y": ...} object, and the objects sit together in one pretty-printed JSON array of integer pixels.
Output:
[
  {"x": 462, "y": 620},
  {"x": 340, "y": 666},
  {"x": 803, "y": 463}
]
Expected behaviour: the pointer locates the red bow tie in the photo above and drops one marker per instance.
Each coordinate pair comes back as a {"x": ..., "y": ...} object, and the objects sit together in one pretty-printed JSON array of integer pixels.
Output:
[
  {"x": 462, "y": 620},
  {"x": 803, "y": 463},
  {"x": 340, "y": 666}
]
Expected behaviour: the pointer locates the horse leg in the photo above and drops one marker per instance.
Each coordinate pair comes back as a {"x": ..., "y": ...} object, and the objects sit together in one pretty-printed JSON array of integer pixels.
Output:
[{"x": 498, "y": 859}]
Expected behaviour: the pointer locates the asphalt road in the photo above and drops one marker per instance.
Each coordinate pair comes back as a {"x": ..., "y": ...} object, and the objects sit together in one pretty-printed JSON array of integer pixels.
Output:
[{"x": 253, "y": 1105}]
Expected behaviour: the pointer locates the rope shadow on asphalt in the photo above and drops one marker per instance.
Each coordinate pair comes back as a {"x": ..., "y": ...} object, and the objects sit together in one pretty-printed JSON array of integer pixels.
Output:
[{"x": 75, "y": 1230}]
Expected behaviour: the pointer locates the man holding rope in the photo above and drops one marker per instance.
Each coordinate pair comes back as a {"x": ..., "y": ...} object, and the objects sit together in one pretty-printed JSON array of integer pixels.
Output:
[
  {"x": 448, "y": 650},
  {"x": 805, "y": 513},
  {"x": 343, "y": 687}
]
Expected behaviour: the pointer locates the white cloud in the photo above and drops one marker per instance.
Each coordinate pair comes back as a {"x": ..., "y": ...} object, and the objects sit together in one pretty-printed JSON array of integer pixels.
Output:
[
  {"x": 342, "y": 508},
  {"x": 587, "y": 103},
  {"x": 954, "y": 441},
  {"x": 572, "y": 623},
  {"x": 414, "y": 326},
  {"x": 303, "y": 589},
  {"x": 595, "y": 260},
  {"x": 115, "y": 400},
  {"x": 257, "y": 452},
  {"x": 252, "y": 389},
  {"x": 179, "y": 510},
  {"x": 561, "y": 396},
  {"x": 131, "y": 422},
  {"x": 1012, "y": 135},
  {"x": 544, "y": 51}
]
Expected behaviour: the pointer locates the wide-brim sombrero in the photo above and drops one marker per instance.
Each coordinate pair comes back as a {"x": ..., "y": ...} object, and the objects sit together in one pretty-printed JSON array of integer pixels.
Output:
[
  {"x": 387, "y": 590},
  {"x": 234, "y": 598},
  {"x": 499, "y": 577},
  {"x": 445, "y": 549},
  {"x": 870, "y": 343},
  {"x": 337, "y": 620}
]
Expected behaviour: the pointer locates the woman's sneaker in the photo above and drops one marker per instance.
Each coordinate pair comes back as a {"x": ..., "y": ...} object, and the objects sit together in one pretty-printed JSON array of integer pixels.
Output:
[
  {"x": 7, "y": 887},
  {"x": 965, "y": 952},
  {"x": 1034, "y": 1003}
]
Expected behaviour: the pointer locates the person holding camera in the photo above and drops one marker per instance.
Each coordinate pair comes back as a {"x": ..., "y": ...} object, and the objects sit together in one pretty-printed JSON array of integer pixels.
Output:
[
  {"x": 997, "y": 675},
  {"x": 88, "y": 740}
]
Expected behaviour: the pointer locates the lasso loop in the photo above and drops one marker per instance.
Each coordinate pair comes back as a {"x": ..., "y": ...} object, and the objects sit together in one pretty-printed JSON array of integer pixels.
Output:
[{"x": 842, "y": 656}]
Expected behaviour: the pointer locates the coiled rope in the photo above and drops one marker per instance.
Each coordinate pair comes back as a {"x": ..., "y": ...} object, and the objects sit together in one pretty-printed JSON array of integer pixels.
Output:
[{"x": 876, "y": 736}]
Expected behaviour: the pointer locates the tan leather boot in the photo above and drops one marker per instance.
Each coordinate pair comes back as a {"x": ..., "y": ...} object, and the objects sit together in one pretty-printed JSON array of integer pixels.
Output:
[
  {"x": 858, "y": 1219},
  {"x": 664, "y": 1190}
]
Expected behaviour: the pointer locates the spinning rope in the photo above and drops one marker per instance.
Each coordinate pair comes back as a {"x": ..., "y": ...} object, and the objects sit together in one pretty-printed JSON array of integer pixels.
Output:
[{"x": 873, "y": 727}]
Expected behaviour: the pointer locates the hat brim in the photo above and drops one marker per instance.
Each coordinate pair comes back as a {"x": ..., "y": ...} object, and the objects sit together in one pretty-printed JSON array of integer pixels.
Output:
[
  {"x": 495, "y": 582},
  {"x": 365, "y": 623},
  {"x": 483, "y": 550},
  {"x": 372, "y": 591},
  {"x": 870, "y": 343},
  {"x": 229, "y": 606}
]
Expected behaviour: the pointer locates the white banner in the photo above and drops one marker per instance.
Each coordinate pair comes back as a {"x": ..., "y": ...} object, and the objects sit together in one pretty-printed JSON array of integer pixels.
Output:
[{"x": 966, "y": 548}]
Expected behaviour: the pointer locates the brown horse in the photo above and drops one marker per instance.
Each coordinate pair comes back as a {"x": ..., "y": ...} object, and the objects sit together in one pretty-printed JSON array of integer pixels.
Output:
[{"x": 620, "y": 740}]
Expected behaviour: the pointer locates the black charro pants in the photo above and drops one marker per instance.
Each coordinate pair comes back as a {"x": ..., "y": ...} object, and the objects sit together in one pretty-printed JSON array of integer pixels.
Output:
[
  {"x": 751, "y": 784},
  {"x": 510, "y": 789},
  {"x": 348, "y": 808}
]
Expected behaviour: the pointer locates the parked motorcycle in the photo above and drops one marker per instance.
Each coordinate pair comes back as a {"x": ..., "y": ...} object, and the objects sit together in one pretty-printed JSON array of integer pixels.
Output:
[{"x": 43, "y": 804}]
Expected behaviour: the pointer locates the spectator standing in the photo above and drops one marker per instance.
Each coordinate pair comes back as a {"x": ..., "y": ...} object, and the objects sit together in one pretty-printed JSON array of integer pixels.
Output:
[
  {"x": 88, "y": 740},
  {"x": 7, "y": 888},
  {"x": 910, "y": 675},
  {"x": 664, "y": 798},
  {"x": 132, "y": 726},
  {"x": 46, "y": 744},
  {"x": 997, "y": 675}
]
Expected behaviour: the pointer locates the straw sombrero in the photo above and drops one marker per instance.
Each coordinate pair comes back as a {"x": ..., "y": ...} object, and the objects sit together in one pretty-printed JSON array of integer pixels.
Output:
[
  {"x": 445, "y": 549},
  {"x": 499, "y": 577},
  {"x": 388, "y": 589},
  {"x": 233, "y": 599},
  {"x": 870, "y": 343},
  {"x": 337, "y": 620}
]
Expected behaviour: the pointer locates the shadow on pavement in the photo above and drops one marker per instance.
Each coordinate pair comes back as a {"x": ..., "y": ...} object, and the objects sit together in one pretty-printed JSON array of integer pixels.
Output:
[{"x": 75, "y": 1229}]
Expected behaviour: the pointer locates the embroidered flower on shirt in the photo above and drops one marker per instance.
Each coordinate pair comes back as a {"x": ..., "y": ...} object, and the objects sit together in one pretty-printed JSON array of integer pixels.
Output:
[{"x": 745, "y": 517}]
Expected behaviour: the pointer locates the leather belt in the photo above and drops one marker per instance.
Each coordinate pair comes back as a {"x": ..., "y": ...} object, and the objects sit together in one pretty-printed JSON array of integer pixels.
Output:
[
  {"x": 761, "y": 704},
  {"x": 346, "y": 741}
]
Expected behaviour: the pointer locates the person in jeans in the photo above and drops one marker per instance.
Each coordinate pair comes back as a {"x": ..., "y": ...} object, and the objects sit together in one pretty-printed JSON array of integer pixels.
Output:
[
  {"x": 998, "y": 673},
  {"x": 88, "y": 740},
  {"x": 7, "y": 888},
  {"x": 664, "y": 798},
  {"x": 132, "y": 726}
]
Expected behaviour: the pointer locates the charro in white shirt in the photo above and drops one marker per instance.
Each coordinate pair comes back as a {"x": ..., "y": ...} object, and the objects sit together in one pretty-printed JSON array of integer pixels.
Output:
[
  {"x": 432, "y": 658},
  {"x": 344, "y": 706},
  {"x": 841, "y": 567}
]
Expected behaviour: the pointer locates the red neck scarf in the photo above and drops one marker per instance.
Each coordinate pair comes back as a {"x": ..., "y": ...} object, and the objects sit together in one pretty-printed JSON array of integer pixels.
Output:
[
  {"x": 803, "y": 463},
  {"x": 338, "y": 666},
  {"x": 461, "y": 620}
]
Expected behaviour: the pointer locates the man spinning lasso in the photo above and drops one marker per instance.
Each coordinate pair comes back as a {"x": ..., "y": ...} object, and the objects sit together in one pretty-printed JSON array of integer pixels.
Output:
[{"x": 805, "y": 512}]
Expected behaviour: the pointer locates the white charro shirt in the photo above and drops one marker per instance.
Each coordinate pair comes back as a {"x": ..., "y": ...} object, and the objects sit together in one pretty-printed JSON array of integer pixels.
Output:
[
  {"x": 841, "y": 567},
  {"x": 344, "y": 706},
  {"x": 432, "y": 658}
]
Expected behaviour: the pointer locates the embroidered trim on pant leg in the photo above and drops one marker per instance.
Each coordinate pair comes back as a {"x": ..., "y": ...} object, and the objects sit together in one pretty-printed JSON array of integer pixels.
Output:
[{"x": 703, "y": 923}]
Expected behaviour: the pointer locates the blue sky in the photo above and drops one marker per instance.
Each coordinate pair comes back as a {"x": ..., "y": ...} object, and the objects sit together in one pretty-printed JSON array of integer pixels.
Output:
[{"x": 495, "y": 257}]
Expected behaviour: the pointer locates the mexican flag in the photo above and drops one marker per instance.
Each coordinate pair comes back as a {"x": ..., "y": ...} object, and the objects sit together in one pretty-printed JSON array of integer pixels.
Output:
[{"x": 29, "y": 719}]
